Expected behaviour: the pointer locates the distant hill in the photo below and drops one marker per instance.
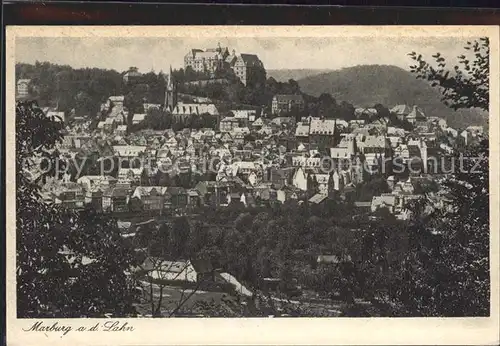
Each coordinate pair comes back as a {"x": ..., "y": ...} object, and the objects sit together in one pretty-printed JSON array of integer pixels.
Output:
[
  {"x": 367, "y": 85},
  {"x": 296, "y": 74}
]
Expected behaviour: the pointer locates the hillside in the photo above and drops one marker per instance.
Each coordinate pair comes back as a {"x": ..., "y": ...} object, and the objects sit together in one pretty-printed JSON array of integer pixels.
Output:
[
  {"x": 296, "y": 74},
  {"x": 84, "y": 89},
  {"x": 367, "y": 85}
]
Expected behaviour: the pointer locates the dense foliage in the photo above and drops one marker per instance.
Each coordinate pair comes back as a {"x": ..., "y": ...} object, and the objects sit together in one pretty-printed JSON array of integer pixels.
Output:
[
  {"x": 453, "y": 245},
  {"x": 66, "y": 88},
  {"x": 84, "y": 90},
  {"x": 69, "y": 264},
  {"x": 468, "y": 85},
  {"x": 446, "y": 271}
]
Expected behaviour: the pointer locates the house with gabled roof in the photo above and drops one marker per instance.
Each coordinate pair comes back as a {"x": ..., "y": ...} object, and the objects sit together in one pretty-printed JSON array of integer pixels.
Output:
[
  {"x": 89, "y": 182},
  {"x": 374, "y": 144},
  {"x": 416, "y": 115},
  {"x": 70, "y": 195},
  {"x": 401, "y": 111},
  {"x": 171, "y": 143},
  {"x": 245, "y": 114},
  {"x": 299, "y": 179},
  {"x": 228, "y": 124},
  {"x": 302, "y": 131},
  {"x": 368, "y": 113},
  {"x": 151, "y": 197},
  {"x": 121, "y": 130},
  {"x": 226, "y": 137},
  {"x": 265, "y": 130},
  {"x": 129, "y": 151},
  {"x": 258, "y": 123},
  {"x": 115, "y": 199},
  {"x": 290, "y": 192}
]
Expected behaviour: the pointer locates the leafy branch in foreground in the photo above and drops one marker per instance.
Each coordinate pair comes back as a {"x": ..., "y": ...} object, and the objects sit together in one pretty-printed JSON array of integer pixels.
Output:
[{"x": 68, "y": 263}]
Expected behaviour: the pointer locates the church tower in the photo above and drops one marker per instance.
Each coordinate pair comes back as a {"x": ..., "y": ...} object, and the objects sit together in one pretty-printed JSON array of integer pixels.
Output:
[{"x": 170, "y": 92}]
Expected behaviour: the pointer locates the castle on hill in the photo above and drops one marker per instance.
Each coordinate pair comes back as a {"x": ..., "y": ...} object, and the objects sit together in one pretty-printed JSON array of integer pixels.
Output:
[{"x": 247, "y": 67}]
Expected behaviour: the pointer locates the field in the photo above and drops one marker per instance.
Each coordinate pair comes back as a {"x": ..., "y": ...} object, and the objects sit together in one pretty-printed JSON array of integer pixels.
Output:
[{"x": 193, "y": 303}]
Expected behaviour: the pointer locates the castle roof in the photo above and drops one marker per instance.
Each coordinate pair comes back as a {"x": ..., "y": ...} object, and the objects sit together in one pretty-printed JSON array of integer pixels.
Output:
[{"x": 250, "y": 59}]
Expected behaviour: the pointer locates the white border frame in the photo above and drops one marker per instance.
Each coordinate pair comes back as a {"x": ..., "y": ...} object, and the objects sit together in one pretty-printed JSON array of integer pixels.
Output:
[{"x": 283, "y": 331}]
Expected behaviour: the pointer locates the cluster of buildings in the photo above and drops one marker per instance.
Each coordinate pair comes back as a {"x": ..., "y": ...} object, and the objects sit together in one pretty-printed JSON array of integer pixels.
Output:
[{"x": 251, "y": 159}]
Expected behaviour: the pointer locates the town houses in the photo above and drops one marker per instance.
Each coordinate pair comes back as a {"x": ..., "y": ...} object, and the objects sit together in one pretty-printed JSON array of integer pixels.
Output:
[{"x": 313, "y": 160}]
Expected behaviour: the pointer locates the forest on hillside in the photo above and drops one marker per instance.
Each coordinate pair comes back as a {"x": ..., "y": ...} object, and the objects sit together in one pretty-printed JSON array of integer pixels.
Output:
[{"x": 66, "y": 88}]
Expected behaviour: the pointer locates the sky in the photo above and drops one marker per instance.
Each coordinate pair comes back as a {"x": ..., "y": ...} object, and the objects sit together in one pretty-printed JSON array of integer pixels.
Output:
[{"x": 276, "y": 53}]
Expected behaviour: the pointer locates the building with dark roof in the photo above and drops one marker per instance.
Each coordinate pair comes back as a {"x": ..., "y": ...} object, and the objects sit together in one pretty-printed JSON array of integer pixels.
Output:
[
  {"x": 132, "y": 75},
  {"x": 249, "y": 69}
]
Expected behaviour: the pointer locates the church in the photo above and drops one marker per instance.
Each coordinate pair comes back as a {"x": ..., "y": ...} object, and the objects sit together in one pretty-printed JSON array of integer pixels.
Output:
[{"x": 180, "y": 109}]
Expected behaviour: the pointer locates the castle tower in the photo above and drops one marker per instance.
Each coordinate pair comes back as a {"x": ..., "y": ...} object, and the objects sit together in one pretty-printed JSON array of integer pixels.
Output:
[{"x": 170, "y": 92}]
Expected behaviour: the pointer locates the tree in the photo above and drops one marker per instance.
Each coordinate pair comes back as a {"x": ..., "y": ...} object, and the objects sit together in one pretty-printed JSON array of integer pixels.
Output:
[
  {"x": 157, "y": 119},
  {"x": 84, "y": 104},
  {"x": 134, "y": 100},
  {"x": 179, "y": 237},
  {"x": 327, "y": 106},
  {"x": 82, "y": 89},
  {"x": 346, "y": 111},
  {"x": 382, "y": 111},
  {"x": 135, "y": 205},
  {"x": 68, "y": 263},
  {"x": 145, "y": 180},
  {"x": 467, "y": 86}
]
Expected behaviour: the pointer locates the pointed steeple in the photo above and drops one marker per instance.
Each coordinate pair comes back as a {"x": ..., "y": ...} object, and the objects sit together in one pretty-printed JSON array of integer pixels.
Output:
[{"x": 171, "y": 92}]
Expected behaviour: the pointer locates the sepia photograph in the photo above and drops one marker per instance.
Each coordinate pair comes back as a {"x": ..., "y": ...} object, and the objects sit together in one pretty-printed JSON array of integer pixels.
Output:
[{"x": 219, "y": 176}]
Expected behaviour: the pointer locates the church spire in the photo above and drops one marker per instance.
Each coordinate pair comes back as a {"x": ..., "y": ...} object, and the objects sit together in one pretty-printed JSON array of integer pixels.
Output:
[{"x": 170, "y": 92}]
